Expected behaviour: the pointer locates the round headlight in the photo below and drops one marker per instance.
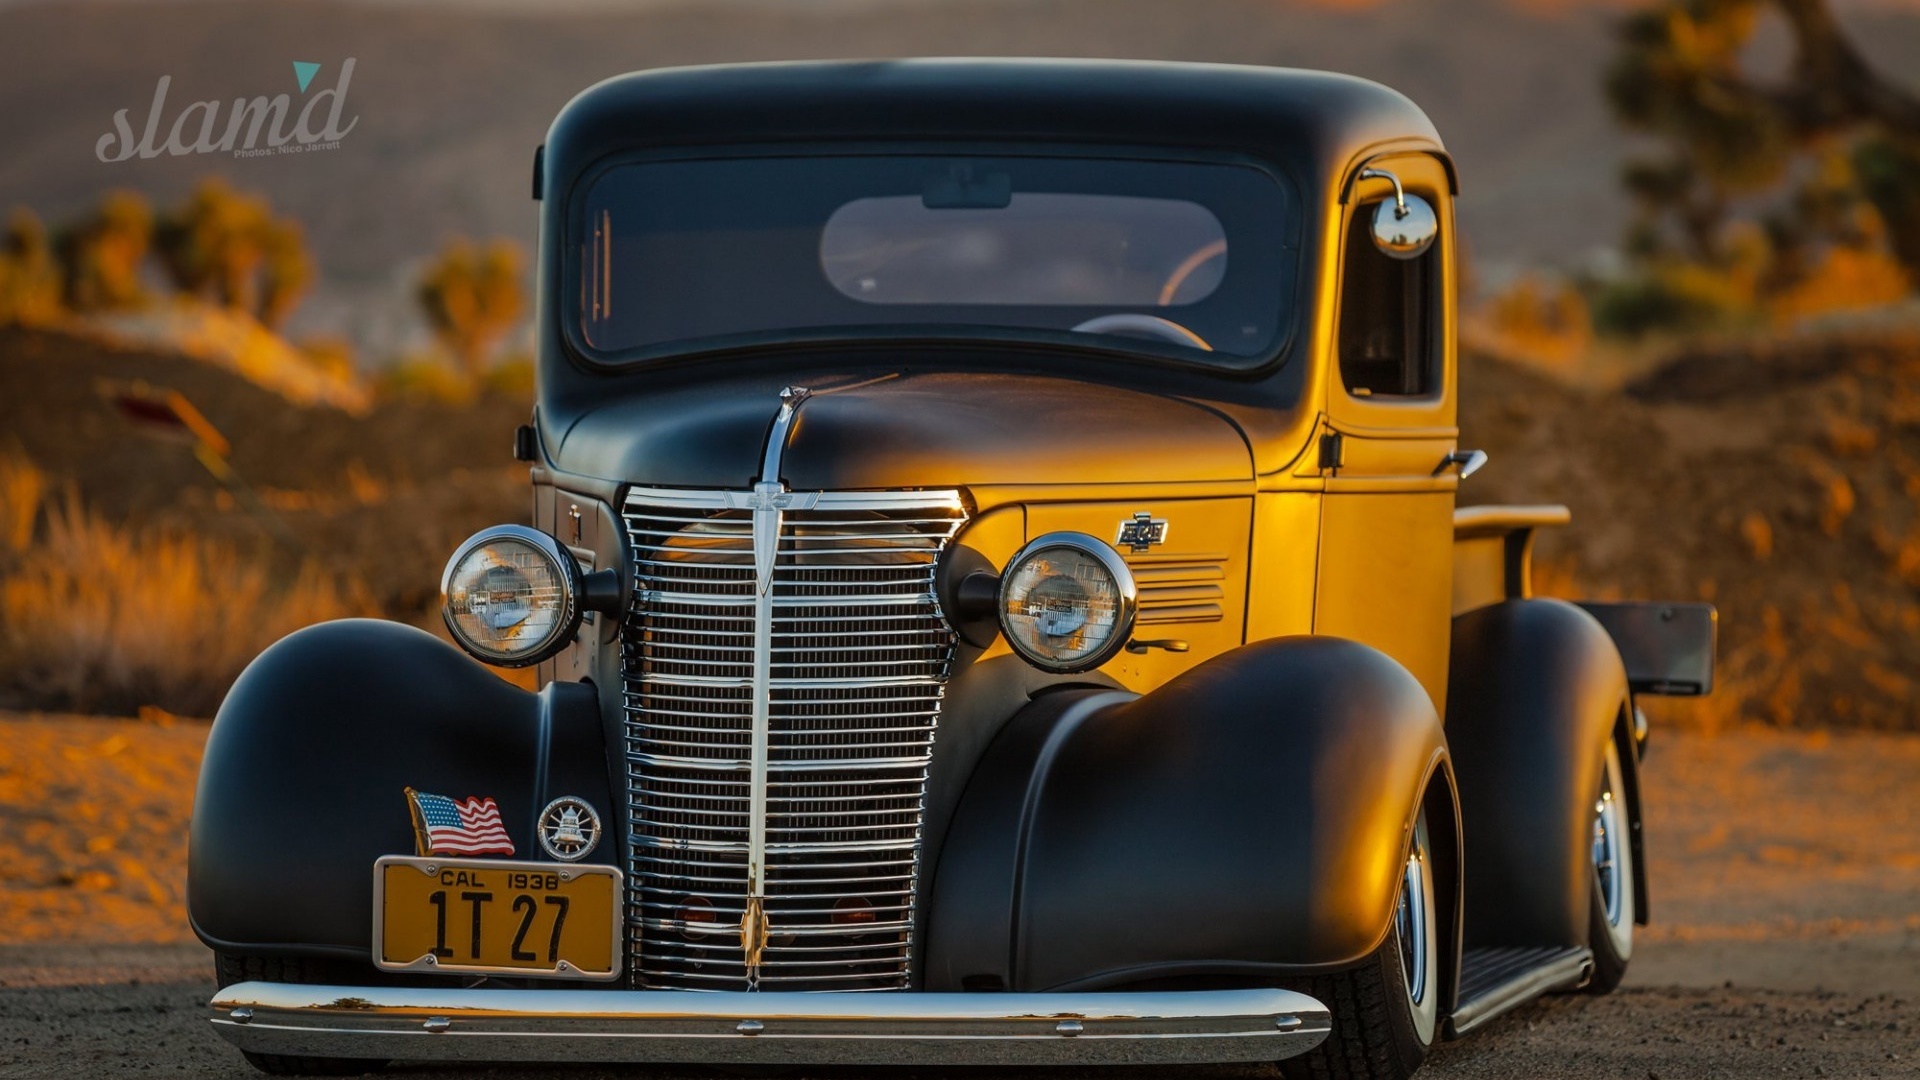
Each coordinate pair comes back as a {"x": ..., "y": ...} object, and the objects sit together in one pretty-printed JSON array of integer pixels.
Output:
[
  {"x": 511, "y": 596},
  {"x": 1067, "y": 602}
]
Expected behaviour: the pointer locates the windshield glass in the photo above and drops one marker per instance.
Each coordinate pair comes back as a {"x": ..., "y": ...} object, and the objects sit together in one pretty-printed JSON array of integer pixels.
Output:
[{"x": 1146, "y": 255}]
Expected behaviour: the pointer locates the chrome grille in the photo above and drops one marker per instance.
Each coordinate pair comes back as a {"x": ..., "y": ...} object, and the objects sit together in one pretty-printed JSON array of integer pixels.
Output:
[{"x": 854, "y": 668}]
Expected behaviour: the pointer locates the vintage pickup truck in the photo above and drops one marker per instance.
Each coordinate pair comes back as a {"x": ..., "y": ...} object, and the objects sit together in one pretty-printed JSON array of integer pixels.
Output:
[{"x": 998, "y": 597}]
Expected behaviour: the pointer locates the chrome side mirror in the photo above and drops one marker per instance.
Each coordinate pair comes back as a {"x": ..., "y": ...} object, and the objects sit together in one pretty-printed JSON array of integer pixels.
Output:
[{"x": 1406, "y": 227}]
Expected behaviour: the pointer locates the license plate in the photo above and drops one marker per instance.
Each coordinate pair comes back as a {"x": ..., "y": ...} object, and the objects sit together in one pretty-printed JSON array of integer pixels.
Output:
[{"x": 497, "y": 918}]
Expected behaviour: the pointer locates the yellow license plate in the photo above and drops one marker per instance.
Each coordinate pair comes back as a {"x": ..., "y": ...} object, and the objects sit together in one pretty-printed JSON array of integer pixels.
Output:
[{"x": 494, "y": 917}]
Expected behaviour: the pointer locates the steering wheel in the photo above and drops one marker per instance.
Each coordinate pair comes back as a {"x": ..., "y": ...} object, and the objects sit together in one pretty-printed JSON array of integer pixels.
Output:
[
  {"x": 1133, "y": 324},
  {"x": 1201, "y": 256}
]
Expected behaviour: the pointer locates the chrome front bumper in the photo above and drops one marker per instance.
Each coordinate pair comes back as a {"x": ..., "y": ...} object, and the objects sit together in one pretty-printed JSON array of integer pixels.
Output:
[{"x": 884, "y": 1028}]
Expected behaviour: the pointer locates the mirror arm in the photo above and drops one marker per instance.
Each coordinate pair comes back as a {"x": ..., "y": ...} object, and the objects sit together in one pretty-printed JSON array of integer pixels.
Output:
[{"x": 1399, "y": 193}]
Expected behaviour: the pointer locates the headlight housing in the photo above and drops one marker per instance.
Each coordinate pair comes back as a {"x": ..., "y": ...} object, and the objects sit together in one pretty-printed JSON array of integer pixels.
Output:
[
  {"x": 511, "y": 596},
  {"x": 1067, "y": 602}
]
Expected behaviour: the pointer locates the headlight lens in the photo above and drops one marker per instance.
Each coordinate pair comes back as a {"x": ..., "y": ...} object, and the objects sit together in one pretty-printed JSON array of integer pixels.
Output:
[
  {"x": 511, "y": 596},
  {"x": 1067, "y": 602}
]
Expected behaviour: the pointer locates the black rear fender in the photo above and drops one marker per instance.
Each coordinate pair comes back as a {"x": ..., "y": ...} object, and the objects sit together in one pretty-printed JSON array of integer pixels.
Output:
[{"x": 1535, "y": 691}]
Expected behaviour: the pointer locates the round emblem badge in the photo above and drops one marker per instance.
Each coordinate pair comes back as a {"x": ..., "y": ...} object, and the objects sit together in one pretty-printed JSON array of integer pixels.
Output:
[{"x": 569, "y": 828}]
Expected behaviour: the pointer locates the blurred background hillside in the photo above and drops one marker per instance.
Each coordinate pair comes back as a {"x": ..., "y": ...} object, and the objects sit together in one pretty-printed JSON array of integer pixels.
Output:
[{"x": 238, "y": 395}]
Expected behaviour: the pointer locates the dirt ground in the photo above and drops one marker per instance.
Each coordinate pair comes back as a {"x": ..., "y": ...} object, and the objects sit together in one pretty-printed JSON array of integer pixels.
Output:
[
  {"x": 1785, "y": 941},
  {"x": 1779, "y": 480}
]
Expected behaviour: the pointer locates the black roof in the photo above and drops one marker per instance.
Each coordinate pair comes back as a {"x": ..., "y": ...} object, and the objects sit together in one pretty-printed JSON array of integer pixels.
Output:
[{"x": 1307, "y": 122}]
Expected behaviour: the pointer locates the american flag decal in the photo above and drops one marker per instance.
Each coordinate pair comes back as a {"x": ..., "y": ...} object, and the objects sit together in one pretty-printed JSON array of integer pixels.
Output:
[{"x": 470, "y": 826}]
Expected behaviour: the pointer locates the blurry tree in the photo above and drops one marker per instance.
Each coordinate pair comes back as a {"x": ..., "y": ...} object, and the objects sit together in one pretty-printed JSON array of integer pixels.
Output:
[
  {"x": 226, "y": 247},
  {"x": 288, "y": 272},
  {"x": 1827, "y": 154},
  {"x": 30, "y": 282},
  {"x": 472, "y": 299},
  {"x": 102, "y": 255}
]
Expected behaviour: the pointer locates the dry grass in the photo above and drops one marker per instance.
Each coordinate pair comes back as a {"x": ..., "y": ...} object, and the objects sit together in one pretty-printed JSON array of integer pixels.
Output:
[
  {"x": 22, "y": 489},
  {"x": 100, "y": 618}
]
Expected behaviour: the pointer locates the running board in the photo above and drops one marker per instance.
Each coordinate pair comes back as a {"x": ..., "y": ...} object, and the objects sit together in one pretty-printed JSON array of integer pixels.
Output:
[{"x": 1492, "y": 981}]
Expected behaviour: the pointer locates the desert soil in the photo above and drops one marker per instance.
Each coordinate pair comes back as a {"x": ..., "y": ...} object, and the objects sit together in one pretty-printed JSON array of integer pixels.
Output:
[{"x": 1785, "y": 941}]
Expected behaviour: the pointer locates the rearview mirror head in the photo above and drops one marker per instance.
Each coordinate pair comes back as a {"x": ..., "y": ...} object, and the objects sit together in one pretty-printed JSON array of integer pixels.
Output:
[{"x": 1405, "y": 228}]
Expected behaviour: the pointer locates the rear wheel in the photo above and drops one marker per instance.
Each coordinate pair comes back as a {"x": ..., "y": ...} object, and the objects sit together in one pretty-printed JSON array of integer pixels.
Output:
[
  {"x": 1610, "y": 926},
  {"x": 1386, "y": 1010},
  {"x": 238, "y": 969}
]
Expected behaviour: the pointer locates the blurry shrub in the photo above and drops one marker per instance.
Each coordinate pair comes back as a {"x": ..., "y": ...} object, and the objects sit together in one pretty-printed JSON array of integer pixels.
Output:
[
  {"x": 29, "y": 276},
  {"x": 98, "y": 618},
  {"x": 428, "y": 377},
  {"x": 1540, "y": 322},
  {"x": 472, "y": 298},
  {"x": 333, "y": 356},
  {"x": 1638, "y": 306},
  {"x": 1677, "y": 296},
  {"x": 512, "y": 376},
  {"x": 1844, "y": 279},
  {"x": 425, "y": 378},
  {"x": 1888, "y": 172},
  {"x": 227, "y": 247},
  {"x": 102, "y": 255}
]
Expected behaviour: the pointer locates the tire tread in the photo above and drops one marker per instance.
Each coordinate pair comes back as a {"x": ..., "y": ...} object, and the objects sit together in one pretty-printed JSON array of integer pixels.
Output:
[{"x": 1361, "y": 1045}]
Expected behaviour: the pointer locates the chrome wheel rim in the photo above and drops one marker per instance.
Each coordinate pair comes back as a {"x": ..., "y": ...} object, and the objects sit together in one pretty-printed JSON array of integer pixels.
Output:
[
  {"x": 1613, "y": 855},
  {"x": 1413, "y": 928},
  {"x": 1414, "y": 919}
]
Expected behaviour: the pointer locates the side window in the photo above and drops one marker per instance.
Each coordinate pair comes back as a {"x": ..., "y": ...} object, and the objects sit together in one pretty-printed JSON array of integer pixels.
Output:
[{"x": 1386, "y": 317}]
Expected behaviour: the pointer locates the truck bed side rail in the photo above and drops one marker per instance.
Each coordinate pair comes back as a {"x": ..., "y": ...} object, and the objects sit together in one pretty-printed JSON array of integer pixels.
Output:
[{"x": 1493, "y": 552}]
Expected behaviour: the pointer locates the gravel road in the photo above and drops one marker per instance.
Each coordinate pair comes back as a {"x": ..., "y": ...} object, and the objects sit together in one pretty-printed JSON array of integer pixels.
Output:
[{"x": 1786, "y": 942}]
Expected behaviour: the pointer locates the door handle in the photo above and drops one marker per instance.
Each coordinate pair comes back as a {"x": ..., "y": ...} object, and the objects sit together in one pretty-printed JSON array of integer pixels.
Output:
[
  {"x": 1176, "y": 645},
  {"x": 1468, "y": 461}
]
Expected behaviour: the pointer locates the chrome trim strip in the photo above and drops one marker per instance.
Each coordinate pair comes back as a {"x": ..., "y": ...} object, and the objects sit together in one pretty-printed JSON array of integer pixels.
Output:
[
  {"x": 766, "y": 537},
  {"x": 768, "y": 502},
  {"x": 660, "y": 596},
  {"x": 820, "y": 500},
  {"x": 772, "y": 1027}
]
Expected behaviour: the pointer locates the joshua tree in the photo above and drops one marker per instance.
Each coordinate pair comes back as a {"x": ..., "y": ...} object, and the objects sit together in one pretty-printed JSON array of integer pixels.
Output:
[
  {"x": 1841, "y": 142},
  {"x": 472, "y": 299},
  {"x": 227, "y": 247}
]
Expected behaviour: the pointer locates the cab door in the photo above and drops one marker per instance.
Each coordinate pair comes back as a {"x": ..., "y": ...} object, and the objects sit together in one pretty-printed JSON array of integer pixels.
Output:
[{"x": 1386, "y": 533}]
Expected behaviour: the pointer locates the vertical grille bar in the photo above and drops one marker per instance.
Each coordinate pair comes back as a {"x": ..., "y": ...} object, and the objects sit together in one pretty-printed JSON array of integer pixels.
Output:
[{"x": 855, "y": 670}]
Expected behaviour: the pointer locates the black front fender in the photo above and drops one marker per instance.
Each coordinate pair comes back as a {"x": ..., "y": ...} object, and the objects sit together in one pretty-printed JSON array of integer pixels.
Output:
[
  {"x": 302, "y": 785},
  {"x": 1249, "y": 819}
]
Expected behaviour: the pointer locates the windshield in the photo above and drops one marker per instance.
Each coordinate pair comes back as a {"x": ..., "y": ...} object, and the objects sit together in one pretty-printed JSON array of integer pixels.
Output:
[{"x": 1153, "y": 256}]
